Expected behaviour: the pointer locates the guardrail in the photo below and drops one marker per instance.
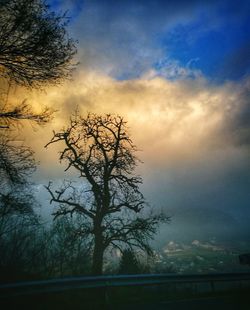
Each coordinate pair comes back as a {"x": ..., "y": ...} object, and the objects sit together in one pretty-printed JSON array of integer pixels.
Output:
[{"x": 72, "y": 283}]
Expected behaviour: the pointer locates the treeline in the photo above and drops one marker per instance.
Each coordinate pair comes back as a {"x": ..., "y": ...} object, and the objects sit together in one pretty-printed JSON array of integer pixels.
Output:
[
  {"x": 31, "y": 251},
  {"x": 35, "y": 51}
]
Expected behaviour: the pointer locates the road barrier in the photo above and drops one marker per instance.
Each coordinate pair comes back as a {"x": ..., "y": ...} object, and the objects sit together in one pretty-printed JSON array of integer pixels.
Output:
[{"x": 108, "y": 281}]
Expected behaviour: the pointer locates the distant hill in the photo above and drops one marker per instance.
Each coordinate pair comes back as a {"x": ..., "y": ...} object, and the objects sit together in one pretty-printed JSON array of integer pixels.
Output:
[{"x": 202, "y": 224}]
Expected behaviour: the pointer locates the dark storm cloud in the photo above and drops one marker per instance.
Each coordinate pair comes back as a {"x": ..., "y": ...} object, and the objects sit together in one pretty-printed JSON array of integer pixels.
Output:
[
  {"x": 208, "y": 198},
  {"x": 237, "y": 114},
  {"x": 237, "y": 63}
]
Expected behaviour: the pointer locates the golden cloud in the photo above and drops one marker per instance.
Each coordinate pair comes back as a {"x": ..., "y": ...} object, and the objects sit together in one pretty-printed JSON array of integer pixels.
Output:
[{"x": 170, "y": 121}]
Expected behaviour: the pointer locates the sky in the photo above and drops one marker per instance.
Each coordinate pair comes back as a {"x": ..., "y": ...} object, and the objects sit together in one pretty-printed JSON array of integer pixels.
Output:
[{"x": 179, "y": 73}]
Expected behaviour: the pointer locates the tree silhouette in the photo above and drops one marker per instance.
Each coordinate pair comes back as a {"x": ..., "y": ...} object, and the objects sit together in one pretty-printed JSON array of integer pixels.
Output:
[
  {"x": 16, "y": 162},
  {"x": 34, "y": 47},
  {"x": 67, "y": 255},
  {"x": 101, "y": 151},
  {"x": 129, "y": 263},
  {"x": 35, "y": 50},
  {"x": 17, "y": 216},
  {"x": 10, "y": 116},
  {"x": 16, "y": 166}
]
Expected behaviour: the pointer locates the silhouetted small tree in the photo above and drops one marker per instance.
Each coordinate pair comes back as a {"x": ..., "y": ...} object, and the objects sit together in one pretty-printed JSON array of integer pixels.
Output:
[
  {"x": 129, "y": 263},
  {"x": 109, "y": 199}
]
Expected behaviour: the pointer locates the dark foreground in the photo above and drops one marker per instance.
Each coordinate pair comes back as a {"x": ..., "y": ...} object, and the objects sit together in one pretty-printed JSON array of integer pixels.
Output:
[
  {"x": 136, "y": 299},
  {"x": 164, "y": 291},
  {"x": 203, "y": 303}
]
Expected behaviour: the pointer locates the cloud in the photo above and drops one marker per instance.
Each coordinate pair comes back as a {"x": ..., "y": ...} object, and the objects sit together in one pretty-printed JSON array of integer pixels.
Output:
[
  {"x": 178, "y": 120},
  {"x": 237, "y": 112},
  {"x": 193, "y": 136}
]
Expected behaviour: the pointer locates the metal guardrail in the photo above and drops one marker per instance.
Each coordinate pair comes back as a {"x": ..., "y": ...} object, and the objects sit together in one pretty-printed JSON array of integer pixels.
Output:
[{"x": 72, "y": 283}]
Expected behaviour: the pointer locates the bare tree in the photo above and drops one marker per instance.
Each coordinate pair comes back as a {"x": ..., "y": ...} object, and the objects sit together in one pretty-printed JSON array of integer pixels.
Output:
[
  {"x": 16, "y": 166},
  {"x": 35, "y": 50},
  {"x": 101, "y": 151},
  {"x": 17, "y": 215},
  {"x": 34, "y": 46},
  {"x": 16, "y": 198},
  {"x": 10, "y": 115},
  {"x": 16, "y": 162},
  {"x": 18, "y": 245}
]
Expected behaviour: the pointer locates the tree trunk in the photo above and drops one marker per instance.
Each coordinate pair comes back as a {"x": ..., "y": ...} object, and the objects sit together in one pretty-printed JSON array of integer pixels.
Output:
[{"x": 97, "y": 263}]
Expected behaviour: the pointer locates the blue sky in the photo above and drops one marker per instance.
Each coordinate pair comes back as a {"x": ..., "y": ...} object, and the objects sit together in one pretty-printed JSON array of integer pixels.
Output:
[
  {"x": 219, "y": 43},
  {"x": 210, "y": 36}
]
